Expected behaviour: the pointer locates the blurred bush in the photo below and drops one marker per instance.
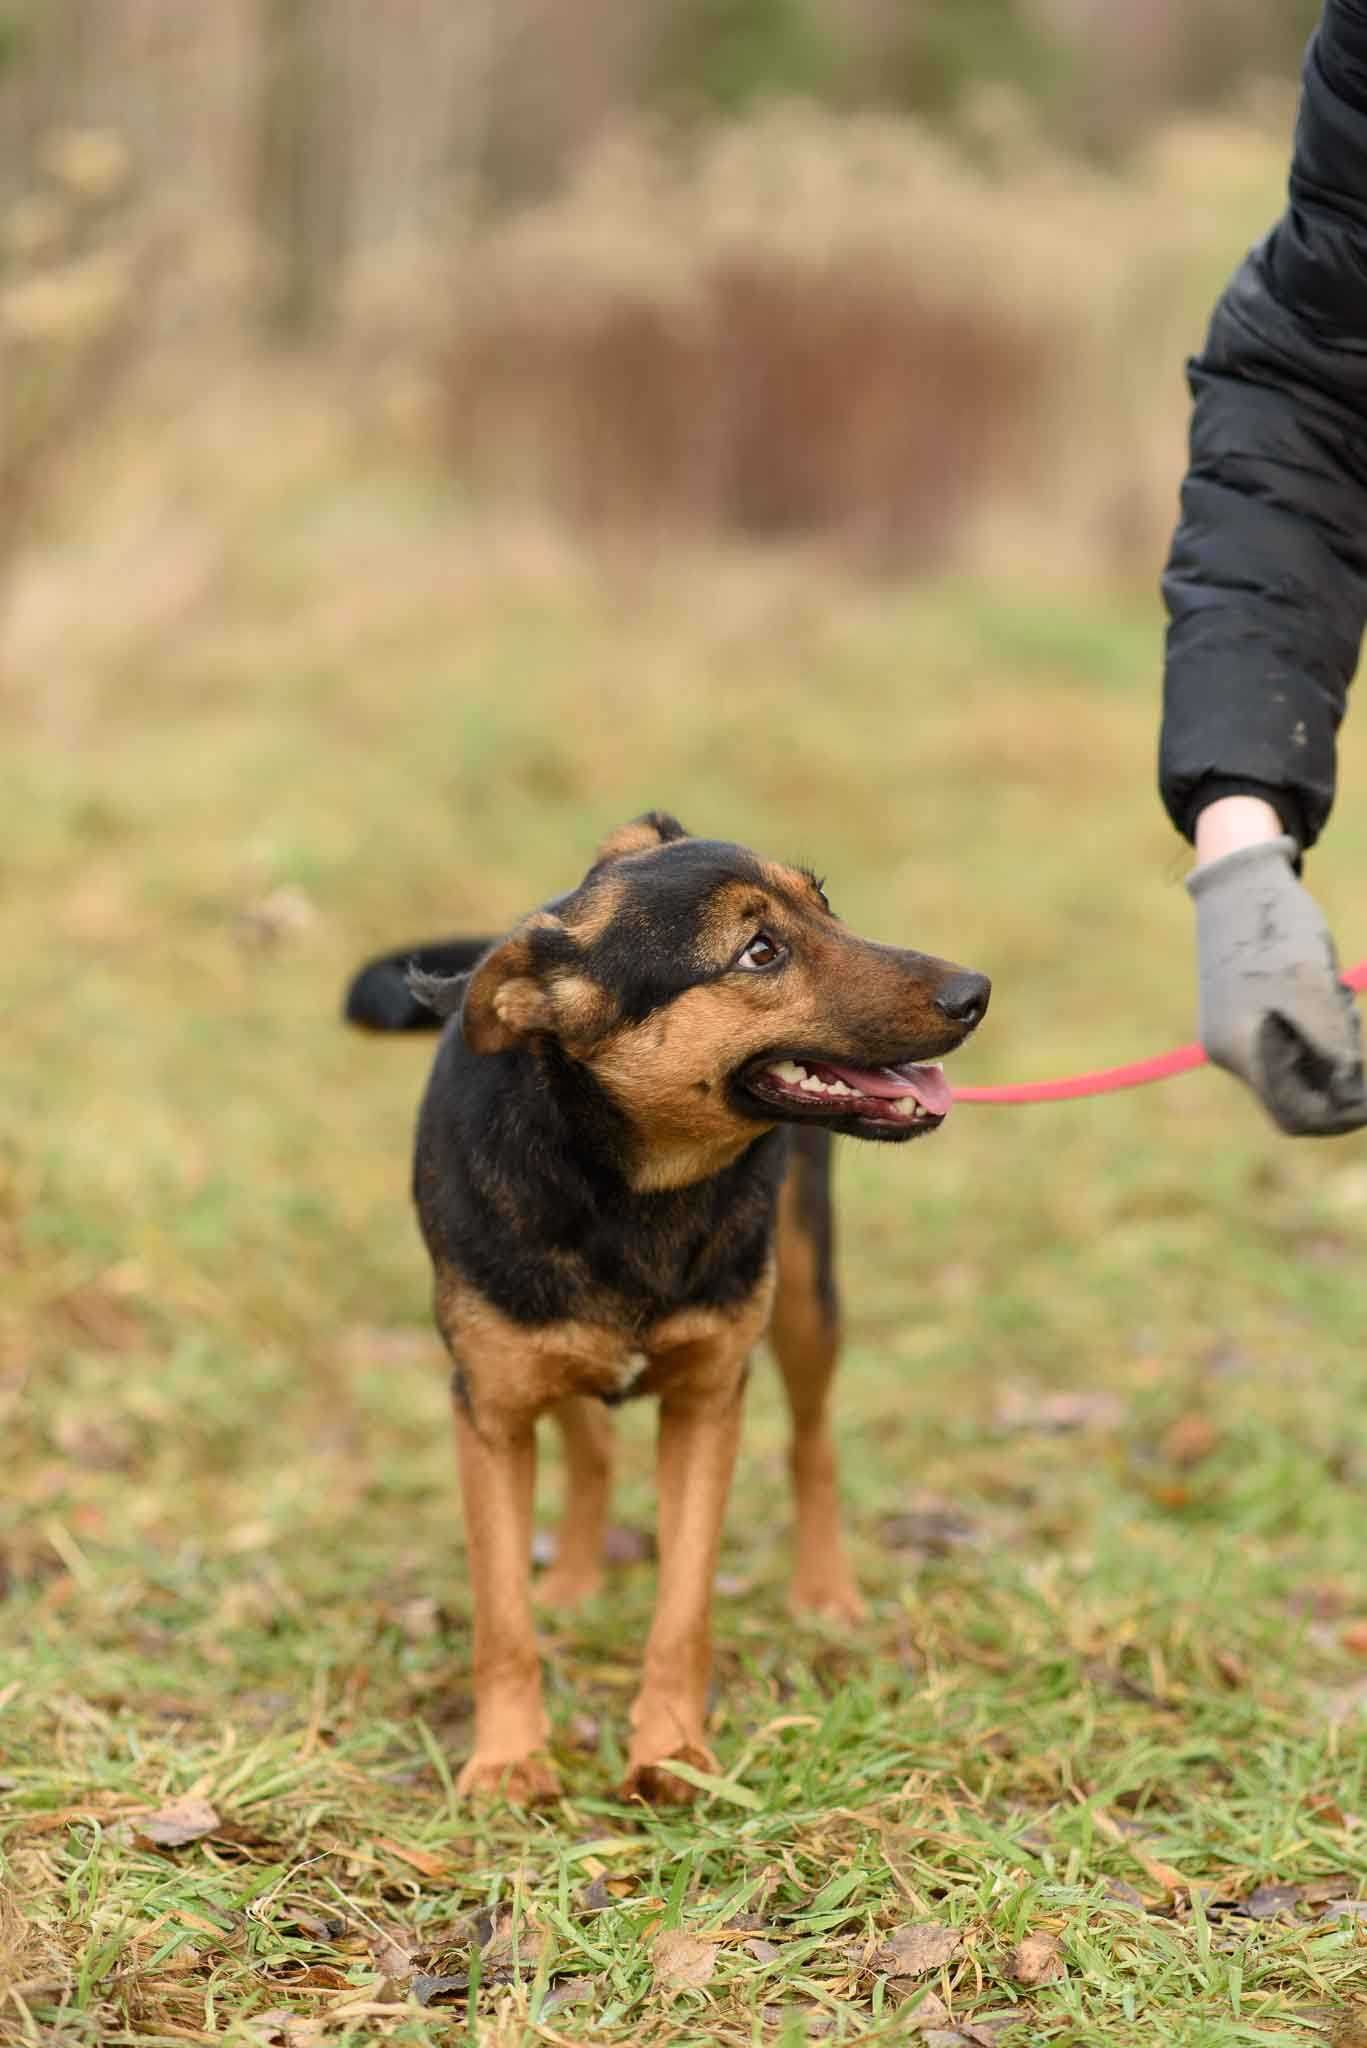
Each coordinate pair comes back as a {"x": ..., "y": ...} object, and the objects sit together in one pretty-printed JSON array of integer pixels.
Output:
[
  {"x": 806, "y": 325},
  {"x": 794, "y": 328}
]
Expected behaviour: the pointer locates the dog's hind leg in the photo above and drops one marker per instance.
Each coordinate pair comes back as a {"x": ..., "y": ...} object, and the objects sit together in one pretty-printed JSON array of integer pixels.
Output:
[
  {"x": 577, "y": 1574},
  {"x": 805, "y": 1335}
]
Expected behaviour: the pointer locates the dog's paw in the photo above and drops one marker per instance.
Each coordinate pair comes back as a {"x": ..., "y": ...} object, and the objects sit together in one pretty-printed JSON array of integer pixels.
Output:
[
  {"x": 566, "y": 1589},
  {"x": 830, "y": 1596},
  {"x": 520, "y": 1781},
  {"x": 654, "y": 1782}
]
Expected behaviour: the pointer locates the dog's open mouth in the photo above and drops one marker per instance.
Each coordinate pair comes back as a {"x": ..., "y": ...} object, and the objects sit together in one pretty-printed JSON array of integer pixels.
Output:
[{"x": 909, "y": 1099}]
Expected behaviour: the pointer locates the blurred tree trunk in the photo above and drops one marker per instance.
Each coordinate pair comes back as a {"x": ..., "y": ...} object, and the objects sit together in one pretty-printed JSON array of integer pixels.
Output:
[{"x": 303, "y": 165}]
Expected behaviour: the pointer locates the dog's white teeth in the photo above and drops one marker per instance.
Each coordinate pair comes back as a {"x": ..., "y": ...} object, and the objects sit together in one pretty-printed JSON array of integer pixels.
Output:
[
  {"x": 907, "y": 1105},
  {"x": 794, "y": 1075}
]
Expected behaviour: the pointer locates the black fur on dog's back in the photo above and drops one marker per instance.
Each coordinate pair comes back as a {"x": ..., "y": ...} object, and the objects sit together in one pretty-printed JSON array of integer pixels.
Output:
[{"x": 380, "y": 998}]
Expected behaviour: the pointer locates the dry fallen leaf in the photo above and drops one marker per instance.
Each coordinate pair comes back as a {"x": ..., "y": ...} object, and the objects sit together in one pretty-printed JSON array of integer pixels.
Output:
[
  {"x": 1037, "y": 1960},
  {"x": 1270, "y": 1900},
  {"x": 311, "y": 1976},
  {"x": 318, "y": 1926},
  {"x": 1189, "y": 1439},
  {"x": 1354, "y": 1638},
  {"x": 1165, "y": 1874},
  {"x": 1339, "y": 1884},
  {"x": 431, "y": 1989},
  {"x": 922, "y": 2008},
  {"x": 987, "y": 2030},
  {"x": 514, "y": 1947},
  {"x": 573, "y": 1991},
  {"x": 681, "y": 1961},
  {"x": 912, "y": 1950},
  {"x": 269, "y": 2027},
  {"x": 184, "y": 1820},
  {"x": 424, "y": 1861},
  {"x": 391, "y": 1957}
]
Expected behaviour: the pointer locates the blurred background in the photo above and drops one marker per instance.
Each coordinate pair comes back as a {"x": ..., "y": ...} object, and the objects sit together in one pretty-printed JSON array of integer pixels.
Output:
[
  {"x": 431, "y": 434},
  {"x": 910, "y": 279}
]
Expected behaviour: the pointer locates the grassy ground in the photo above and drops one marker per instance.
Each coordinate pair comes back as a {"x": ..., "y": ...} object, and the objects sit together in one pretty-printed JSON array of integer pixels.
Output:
[{"x": 1104, "y": 1411}]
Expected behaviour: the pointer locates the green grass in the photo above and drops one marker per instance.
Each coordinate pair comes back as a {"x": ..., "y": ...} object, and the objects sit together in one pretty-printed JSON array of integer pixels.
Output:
[{"x": 1109, "y": 1687}]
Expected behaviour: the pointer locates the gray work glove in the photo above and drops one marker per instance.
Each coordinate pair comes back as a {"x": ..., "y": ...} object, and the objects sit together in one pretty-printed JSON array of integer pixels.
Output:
[{"x": 1273, "y": 1010}]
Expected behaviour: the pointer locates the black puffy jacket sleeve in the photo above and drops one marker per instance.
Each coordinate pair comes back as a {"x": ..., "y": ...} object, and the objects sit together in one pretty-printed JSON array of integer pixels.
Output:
[{"x": 1266, "y": 585}]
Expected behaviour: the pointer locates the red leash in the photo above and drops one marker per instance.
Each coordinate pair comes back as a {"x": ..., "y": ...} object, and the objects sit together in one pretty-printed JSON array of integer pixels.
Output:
[{"x": 1107, "y": 1080}]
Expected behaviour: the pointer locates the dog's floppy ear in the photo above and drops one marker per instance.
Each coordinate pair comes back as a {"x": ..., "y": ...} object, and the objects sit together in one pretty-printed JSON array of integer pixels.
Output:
[
  {"x": 504, "y": 1000},
  {"x": 655, "y": 828}
]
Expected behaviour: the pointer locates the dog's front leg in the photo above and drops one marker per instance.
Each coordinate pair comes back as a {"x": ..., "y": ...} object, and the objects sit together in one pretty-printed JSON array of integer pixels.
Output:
[
  {"x": 700, "y": 1414},
  {"x": 497, "y": 1474}
]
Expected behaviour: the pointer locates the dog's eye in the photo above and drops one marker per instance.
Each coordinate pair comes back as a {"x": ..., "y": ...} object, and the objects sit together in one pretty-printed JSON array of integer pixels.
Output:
[{"x": 761, "y": 952}]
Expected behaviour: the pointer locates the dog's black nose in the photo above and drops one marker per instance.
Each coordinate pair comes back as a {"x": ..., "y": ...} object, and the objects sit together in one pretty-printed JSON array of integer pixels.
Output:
[{"x": 963, "y": 999}]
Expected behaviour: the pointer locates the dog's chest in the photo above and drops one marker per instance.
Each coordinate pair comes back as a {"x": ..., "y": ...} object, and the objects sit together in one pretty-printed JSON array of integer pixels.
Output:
[{"x": 627, "y": 1371}]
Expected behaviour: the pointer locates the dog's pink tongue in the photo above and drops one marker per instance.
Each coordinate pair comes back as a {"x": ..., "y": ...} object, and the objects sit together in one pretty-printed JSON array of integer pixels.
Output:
[{"x": 927, "y": 1084}]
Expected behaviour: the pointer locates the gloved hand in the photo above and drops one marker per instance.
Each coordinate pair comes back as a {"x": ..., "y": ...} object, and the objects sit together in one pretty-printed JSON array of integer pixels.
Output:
[{"x": 1273, "y": 1010}]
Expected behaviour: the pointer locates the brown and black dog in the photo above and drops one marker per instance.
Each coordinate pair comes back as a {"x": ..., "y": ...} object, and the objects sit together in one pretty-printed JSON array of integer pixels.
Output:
[{"x": 622, "y": 1177}]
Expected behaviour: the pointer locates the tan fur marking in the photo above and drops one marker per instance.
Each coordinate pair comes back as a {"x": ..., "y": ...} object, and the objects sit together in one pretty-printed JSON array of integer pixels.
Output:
[
  {"x": 731, "y": 916},
  {"x": 523, "y": 1007},
  {"x": 515, "y": 1372},
  {"x": 792, "y": 882},
  {"x": 486, "y": 1029},
  {"x": 668, "y": 1075},
  {"x": 583, "y": 1010},
  {"x": 602, "y": 904},
  {"x": 637, "y": 837}
]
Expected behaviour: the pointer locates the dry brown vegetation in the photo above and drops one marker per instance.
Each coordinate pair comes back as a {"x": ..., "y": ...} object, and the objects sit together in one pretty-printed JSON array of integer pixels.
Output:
[{"x": 851, "y": 329}]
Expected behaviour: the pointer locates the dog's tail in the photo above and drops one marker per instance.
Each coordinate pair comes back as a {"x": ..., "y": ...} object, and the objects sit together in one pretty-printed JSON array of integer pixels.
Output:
[{"x": 380, "y": 999}]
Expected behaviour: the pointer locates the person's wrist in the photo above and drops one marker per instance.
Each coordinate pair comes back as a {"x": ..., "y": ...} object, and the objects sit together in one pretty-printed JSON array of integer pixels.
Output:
[{"x": 1232, "y": 823}]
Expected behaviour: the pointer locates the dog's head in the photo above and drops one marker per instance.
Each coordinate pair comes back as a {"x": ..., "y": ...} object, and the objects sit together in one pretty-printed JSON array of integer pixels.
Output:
[{"x": 711, "y": 993}]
